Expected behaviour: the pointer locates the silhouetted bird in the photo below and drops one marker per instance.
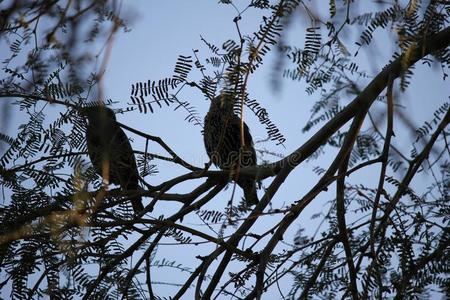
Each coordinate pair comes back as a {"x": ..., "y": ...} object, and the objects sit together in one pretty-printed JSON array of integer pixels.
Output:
[
  {"x": 110, "y": 151},
  {"x": 222, "y": 140}
]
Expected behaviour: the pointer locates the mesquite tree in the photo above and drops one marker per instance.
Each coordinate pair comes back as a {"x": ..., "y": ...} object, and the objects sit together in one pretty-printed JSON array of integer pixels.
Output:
[{"x": 68, "y": 233}]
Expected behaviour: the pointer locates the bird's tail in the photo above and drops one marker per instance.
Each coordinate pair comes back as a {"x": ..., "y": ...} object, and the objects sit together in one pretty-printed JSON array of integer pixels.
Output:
[
  {"x": 136, "y": 202},
  {"x": 250, "y": 195}
]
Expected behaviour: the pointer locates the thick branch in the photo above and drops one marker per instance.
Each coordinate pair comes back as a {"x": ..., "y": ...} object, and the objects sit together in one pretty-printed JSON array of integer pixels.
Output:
[{"x": 359, "y": 106}]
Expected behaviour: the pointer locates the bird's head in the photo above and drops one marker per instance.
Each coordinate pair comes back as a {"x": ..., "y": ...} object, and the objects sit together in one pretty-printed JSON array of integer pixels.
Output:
[
  {"x": 98, "y": 113},
  {"x": 223, "y": 103}
]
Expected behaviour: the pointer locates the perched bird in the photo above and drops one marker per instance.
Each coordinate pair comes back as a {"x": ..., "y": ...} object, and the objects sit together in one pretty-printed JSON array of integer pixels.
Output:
[
  {"x": 110, "y": 151},
  {"x": 222, "y": 138}
]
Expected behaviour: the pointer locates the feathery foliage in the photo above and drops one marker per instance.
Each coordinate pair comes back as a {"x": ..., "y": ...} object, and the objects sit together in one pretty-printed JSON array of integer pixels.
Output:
[{"x": 67, "y": 234}]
